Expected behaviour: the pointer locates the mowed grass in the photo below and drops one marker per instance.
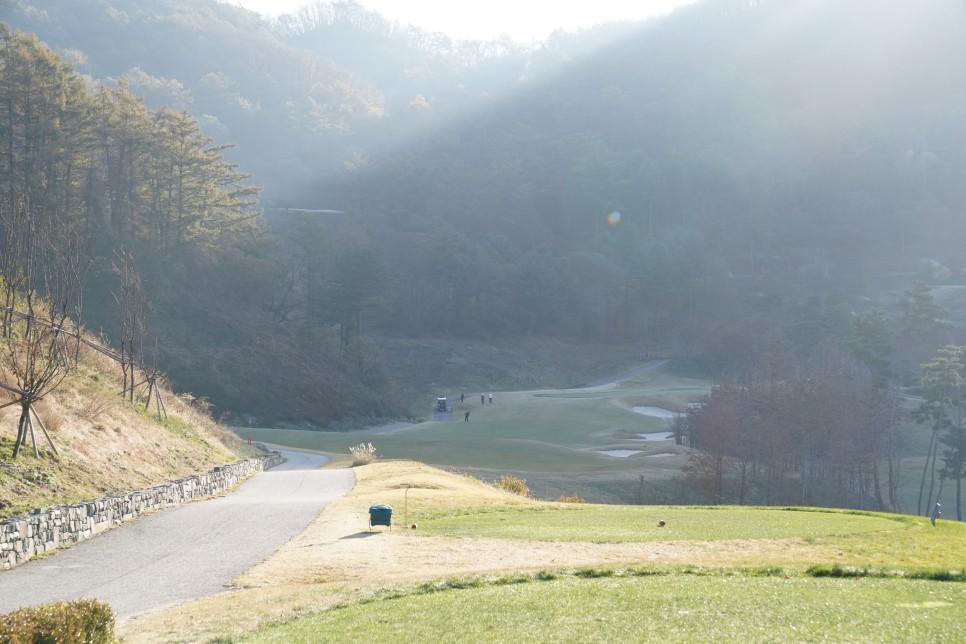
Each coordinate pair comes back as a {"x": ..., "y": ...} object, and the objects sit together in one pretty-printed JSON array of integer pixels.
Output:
[
  {"x": 625, "y": 524},
  {"x": 645, "y": 606},
  {"x": 539, "y": 431}
]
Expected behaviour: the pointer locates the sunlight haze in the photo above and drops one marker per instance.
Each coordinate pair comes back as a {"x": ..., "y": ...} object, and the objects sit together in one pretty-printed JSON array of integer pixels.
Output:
[{"x": 521, "y": 20}]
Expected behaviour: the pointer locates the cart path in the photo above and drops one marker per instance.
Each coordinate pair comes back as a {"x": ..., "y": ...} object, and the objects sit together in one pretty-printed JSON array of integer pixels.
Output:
[
  {"x": 186, "y": 552},
  {"x": 633, "y": 373}
]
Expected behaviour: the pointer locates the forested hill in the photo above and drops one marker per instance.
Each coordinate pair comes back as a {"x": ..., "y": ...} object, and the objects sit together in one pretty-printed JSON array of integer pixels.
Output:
[{"x": 731, "y": 176}]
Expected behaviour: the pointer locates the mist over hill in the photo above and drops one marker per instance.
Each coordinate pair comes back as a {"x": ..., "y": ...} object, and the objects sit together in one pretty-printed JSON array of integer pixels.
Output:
[{"x": 705, "y": 184}]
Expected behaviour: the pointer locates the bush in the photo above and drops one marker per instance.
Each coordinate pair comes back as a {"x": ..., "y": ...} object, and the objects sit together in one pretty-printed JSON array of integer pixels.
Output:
[
  {"x": 84, "y": 621},
  {"x": 362, "y": 454},
  {"x": 570, "y": 499},
  {"x": 594, "y": 573},
  {"x": 513, "y": 485}
]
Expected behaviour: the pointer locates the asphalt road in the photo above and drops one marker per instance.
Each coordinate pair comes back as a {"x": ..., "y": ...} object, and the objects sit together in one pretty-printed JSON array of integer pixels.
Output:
[{"x": 186, "y": 552}]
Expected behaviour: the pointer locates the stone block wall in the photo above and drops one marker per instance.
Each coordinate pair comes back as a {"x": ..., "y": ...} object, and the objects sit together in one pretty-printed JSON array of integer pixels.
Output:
[{"x": 45, "y": 530}]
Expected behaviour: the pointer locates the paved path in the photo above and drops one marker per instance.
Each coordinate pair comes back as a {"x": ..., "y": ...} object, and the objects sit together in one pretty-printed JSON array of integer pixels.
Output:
[
  {"x": 633, "y": 373},
  {"x": 186, "y": 552}
]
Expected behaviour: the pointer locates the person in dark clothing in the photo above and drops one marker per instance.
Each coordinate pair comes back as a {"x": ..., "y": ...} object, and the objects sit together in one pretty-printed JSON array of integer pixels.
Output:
[{"x": 466, "y": 417}]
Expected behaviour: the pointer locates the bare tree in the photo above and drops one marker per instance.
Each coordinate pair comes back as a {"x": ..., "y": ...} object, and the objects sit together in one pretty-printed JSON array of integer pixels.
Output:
[
  {"x": 41, "y": 335},
  {"x": 133, "y": 305}
]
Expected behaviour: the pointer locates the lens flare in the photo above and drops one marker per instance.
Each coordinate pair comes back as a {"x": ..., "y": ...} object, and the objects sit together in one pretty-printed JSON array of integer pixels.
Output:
[{"x": 614, "y": 218}]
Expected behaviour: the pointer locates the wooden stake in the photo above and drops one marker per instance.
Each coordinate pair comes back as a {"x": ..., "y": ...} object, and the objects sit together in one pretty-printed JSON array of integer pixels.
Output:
[
  {"x": 161, "y": 407},
  {"x": 33, "y": 438},
  {"x": 46, "y": 433}
]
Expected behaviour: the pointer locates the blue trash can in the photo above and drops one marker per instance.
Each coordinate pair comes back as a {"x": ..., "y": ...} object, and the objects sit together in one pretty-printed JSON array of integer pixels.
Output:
[{"x": 380, "y": 515}]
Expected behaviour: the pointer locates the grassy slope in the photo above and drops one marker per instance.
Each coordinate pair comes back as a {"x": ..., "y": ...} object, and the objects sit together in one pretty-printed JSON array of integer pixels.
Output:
[
  {"x": 105, "y": 445},
  {"x": 710, "y": 574}
]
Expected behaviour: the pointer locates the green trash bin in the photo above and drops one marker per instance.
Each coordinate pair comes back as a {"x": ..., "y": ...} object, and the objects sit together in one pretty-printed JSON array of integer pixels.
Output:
[{"x": 380, "y": 515}]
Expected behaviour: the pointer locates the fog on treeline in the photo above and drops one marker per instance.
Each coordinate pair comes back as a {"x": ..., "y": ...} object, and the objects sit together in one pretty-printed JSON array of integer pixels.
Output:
[{"x": 703, "y": 185}]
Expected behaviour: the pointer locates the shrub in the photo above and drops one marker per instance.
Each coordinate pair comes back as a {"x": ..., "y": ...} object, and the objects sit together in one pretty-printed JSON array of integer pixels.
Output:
[
  {"x": 822, "y": 570},
  {"x": 594, "y": 573},
  {"x": 570, "y": 499},
  {"x": 362, "y": 454},
  {"x": 513, "y": 485},
  {"x": 81, "y": 621}
]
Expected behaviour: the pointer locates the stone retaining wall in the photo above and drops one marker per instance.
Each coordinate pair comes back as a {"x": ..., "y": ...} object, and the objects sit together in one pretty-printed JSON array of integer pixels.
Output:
[{"x": 45, "y": 530}]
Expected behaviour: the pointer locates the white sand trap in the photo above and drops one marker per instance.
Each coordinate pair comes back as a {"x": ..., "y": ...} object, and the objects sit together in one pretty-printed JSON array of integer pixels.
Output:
[
  {"x": 619, "y": 453},
  {"x": 662, "y": 455},
  {"x": 656, "y": 436},
  {"x": 657, "y": 412}
]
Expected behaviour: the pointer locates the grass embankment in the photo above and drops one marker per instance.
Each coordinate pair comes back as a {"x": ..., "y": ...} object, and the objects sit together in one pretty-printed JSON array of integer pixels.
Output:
[
  {"x": 106, "y": 445},
  {"x": 485, "y": 565}
]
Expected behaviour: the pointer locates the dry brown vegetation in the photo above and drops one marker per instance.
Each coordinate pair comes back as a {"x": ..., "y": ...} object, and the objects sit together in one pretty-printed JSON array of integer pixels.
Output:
[{"x": 106, "y": 446}]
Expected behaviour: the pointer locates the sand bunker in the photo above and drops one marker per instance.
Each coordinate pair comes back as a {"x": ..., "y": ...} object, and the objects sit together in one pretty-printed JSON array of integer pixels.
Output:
[
  {"x": 657, "y": 412},
  {"x": 656, "y": 436}
]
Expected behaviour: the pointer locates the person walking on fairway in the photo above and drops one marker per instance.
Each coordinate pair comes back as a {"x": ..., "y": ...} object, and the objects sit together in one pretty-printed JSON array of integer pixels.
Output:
[
  {"x": 491, "y": 398},
  {"x": 466, "y": 417},
  {"x": 482, "y": 399}
]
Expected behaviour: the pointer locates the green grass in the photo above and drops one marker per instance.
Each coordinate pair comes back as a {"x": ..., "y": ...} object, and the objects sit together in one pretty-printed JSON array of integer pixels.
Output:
[
  {"x": 845, "y": 536},
  {"x": 549, "y": 436},
  {"x": 623, "y": 524},
  {"x": 645, "y": 605}
]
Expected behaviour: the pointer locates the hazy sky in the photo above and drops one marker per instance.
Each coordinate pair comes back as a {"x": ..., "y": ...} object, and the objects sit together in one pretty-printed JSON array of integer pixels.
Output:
[{"x": 522, "y": 20}]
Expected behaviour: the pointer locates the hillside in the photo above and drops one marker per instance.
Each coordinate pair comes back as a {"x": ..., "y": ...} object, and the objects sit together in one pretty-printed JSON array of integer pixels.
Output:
[
  {"x": 712, "y": 184},
  {"x": 107, "y": 446}
]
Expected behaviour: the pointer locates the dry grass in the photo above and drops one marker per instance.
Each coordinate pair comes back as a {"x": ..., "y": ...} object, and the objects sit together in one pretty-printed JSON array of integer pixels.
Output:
[
  {"x": 339, "y": 556},
  {"x": 106, "y": 445}
]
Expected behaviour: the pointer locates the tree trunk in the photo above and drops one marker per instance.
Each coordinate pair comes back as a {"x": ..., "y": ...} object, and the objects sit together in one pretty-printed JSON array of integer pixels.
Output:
[{"x": 21, "y": 430}]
